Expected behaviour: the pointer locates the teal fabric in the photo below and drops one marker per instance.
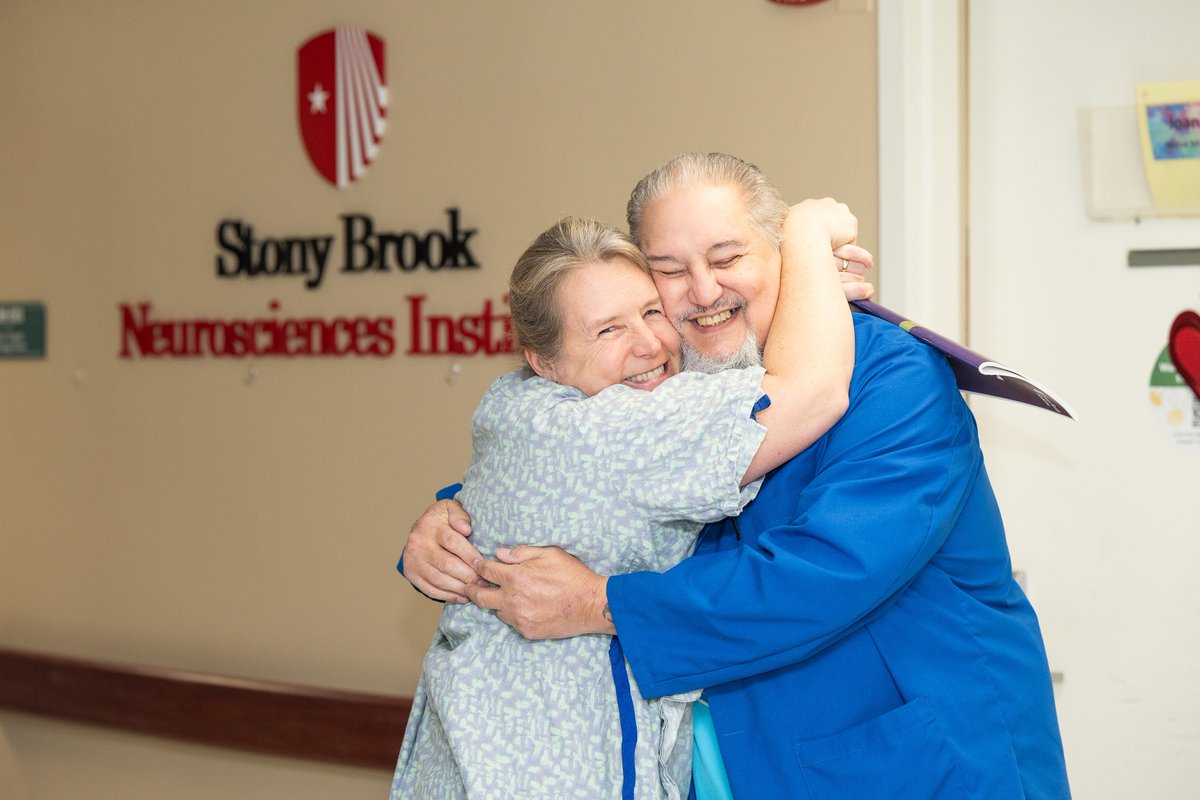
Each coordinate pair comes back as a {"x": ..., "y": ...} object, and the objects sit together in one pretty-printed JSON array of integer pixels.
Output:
[{"x": 708, "y": 770}]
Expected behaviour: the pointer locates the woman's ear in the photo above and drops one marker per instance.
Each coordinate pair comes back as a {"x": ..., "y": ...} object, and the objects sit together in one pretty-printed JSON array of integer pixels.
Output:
[{"x": 543, "y": 368}]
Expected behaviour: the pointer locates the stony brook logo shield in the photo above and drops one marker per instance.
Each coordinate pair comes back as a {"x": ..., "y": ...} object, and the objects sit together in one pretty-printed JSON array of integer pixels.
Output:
[{"x": 342, "y": 102}]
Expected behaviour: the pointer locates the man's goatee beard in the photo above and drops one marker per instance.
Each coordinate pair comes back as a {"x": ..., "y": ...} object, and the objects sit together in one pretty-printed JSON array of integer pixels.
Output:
[{"x": 748, "y": 355}]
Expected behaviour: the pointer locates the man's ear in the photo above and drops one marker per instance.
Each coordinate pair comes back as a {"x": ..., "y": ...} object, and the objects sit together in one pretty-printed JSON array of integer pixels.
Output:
[{"x": 539, "y": 365}]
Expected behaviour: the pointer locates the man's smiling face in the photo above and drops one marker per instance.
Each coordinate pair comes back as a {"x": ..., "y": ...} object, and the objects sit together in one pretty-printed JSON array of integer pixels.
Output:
[{"x": 717, "y": 274}]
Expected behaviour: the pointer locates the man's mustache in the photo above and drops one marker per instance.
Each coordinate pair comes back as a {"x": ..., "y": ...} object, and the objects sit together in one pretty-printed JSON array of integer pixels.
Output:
[{"x": 722, "y": 304}]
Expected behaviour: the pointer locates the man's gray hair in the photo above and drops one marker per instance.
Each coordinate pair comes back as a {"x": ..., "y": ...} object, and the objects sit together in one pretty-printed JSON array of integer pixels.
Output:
[
  {"x": 533, "y": 301},
  {"x": 765, "y": 205}
]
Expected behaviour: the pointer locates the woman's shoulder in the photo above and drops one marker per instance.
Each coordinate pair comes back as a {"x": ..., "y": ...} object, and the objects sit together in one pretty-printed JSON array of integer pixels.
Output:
[
  {"x": 700, "y": 393},
  {"x": 522, "y": 389},
  {"x": 520, "y": 404},
  {"x": 704, "y": 383}
]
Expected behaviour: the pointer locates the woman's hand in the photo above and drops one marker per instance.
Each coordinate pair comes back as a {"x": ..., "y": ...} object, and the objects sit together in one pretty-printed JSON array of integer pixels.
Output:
[
  {"x": 832, "y": 220},
  {"x": 851, "y": 262}
]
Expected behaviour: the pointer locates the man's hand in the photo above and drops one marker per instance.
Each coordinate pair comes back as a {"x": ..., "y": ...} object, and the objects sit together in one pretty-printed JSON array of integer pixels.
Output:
[
  {"x": 438, "y": 558},
  {"x": 544, "y": 593}
]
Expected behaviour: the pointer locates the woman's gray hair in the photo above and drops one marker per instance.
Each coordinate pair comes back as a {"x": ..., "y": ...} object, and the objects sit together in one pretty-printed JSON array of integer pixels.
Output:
[
  {"x": 533, "y": 302},
  {"x": 765, "y": 205}
]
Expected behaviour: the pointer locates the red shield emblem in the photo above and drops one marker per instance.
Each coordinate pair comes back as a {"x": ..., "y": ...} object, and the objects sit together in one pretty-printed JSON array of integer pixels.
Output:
[{"x": 342, "y": 101}]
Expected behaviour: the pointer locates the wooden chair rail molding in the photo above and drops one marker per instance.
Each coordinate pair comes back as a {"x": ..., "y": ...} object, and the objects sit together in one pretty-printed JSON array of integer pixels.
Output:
[{"x": 283, "y": 719}]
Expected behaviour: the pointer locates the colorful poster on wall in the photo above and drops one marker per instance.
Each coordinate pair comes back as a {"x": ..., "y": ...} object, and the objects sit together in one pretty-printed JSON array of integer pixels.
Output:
[
  {"x": 1174, "y": 405},
  {"x": 1169, "y": 125},
  {"x": 22, "y": 330}
]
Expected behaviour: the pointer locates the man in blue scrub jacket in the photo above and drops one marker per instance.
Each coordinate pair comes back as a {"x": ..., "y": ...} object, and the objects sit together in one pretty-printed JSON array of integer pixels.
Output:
[{"x": 857, "y": 629}]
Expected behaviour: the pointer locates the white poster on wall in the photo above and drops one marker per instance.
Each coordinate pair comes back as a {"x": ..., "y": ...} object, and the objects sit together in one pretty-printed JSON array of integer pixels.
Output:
[{"x": 1174, "y": 405}]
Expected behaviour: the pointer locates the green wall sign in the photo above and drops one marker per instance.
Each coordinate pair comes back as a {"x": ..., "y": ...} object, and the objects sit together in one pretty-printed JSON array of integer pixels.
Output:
[{"x": 22, "y": 330}]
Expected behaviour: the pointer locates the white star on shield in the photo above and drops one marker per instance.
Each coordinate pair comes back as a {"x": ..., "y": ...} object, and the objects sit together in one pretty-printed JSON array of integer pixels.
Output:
[{"x": 317, "y": 98}]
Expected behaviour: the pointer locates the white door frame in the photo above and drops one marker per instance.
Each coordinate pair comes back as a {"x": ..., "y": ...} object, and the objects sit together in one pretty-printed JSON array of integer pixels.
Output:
[{"x": 922, "y": 162}]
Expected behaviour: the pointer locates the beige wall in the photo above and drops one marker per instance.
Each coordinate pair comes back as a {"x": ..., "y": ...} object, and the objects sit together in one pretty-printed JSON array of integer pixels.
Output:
[
  {"x": 189, "y": 513},
  {"x": 13, "y": 784}
]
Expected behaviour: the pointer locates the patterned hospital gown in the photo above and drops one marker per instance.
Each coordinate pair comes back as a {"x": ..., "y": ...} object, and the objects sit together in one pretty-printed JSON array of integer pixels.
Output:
[{"x": 623, "y": 480}]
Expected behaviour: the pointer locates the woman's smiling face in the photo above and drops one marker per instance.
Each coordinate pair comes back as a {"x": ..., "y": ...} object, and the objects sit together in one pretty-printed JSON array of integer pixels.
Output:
[{"x": 614, "y": 330}]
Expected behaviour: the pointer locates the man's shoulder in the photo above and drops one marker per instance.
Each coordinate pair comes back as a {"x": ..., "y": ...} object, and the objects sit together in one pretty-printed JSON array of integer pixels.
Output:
[
  {"x": 889, "y": 358},
  {"x": 879, "y": 341}
]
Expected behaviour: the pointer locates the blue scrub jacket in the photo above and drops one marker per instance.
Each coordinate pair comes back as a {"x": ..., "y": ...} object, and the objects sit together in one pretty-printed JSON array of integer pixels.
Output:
[{"x": 857, "y": 629}]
